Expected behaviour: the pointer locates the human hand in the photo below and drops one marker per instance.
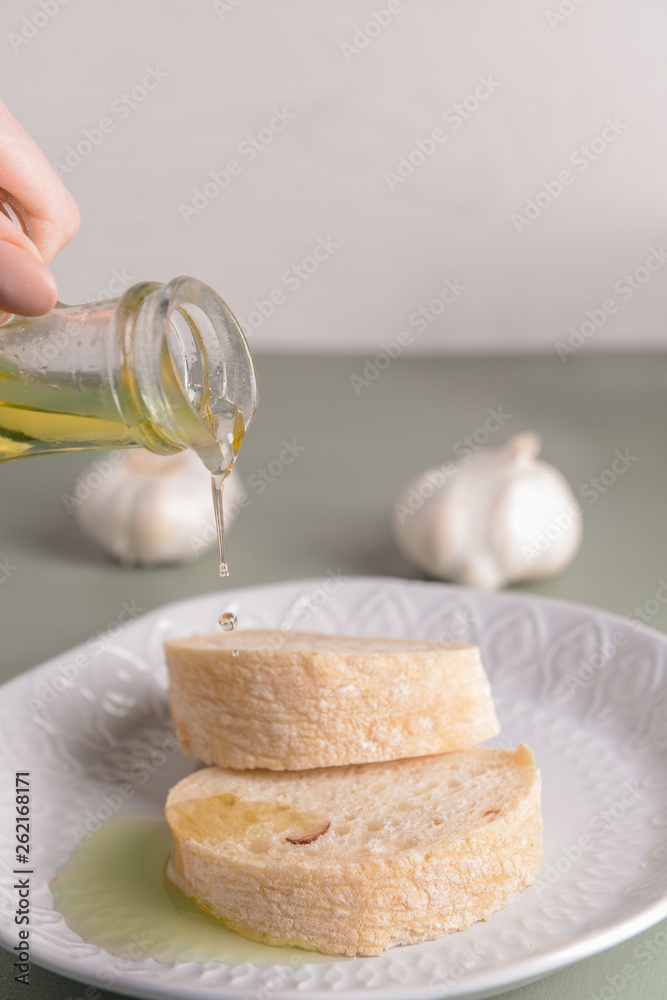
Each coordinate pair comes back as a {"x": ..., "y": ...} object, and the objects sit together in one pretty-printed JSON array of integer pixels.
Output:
[{"x": 40, "y": 203}]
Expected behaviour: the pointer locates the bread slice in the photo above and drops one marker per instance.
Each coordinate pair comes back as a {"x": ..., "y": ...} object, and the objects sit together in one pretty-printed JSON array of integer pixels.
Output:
[
  {"x": 353, "y": 860},
  {"x": 292, "y": 700}
]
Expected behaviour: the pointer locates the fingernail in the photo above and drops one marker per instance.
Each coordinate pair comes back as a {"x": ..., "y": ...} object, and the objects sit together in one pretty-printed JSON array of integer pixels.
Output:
[{"x": 27, "y": 287}]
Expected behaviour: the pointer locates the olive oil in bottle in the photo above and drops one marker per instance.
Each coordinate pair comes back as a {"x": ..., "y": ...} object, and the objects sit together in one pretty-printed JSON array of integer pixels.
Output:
[{"x": 164, "y": 367}]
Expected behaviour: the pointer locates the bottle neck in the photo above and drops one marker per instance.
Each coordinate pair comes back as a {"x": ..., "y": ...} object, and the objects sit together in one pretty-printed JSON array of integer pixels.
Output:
[{"x": 186, "y": 375}]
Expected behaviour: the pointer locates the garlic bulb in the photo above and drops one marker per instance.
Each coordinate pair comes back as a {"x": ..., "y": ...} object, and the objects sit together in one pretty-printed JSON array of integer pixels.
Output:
[
  {"x": 498, "y": 516},
  {"x": 150, "y": 509}
]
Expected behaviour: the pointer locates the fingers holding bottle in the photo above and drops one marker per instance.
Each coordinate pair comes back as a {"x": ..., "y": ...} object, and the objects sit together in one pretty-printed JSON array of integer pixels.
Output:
[{"x": 38, "y": 217}]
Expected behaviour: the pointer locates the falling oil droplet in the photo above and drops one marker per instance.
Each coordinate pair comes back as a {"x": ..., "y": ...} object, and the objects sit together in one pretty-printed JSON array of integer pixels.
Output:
[
  {"x": 217, "y": 482},
  {"x": 228, "y": 621}
]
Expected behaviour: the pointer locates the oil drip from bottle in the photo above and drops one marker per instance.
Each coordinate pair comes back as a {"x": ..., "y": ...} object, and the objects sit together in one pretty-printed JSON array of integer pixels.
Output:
[
  {"x": 227, "y": 620},
  {"x": 217, "y": 482}
]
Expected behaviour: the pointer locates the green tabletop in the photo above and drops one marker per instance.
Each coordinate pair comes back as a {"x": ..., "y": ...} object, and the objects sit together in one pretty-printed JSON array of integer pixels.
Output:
[{"x": 329, "y": 510}]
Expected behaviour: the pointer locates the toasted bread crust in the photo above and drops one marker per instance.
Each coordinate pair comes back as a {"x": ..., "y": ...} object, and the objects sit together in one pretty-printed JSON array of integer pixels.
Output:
[{"x": 320, "y": 701}]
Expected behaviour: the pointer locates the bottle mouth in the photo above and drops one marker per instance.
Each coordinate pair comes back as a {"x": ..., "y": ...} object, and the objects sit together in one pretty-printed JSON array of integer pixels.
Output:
[{"x": 200, "y": 372}]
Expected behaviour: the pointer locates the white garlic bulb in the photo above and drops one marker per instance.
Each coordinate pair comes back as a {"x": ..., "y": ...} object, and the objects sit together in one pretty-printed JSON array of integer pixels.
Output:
[
  {"x": 496, "y": 517},
  {"x": 150, "y": 509}
]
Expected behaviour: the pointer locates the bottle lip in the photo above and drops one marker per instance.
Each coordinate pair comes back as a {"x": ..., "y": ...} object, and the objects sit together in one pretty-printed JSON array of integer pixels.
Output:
[
  {"x": 187, "y": 347},
  {"x": 240, "y": 377}
]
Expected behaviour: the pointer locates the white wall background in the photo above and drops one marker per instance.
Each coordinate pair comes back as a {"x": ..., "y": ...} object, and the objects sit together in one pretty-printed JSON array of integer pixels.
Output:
[{"x": 561, "y": 69}]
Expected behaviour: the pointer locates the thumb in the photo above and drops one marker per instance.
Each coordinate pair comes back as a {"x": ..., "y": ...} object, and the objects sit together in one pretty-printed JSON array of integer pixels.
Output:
[{"x": 27, "y": 287}]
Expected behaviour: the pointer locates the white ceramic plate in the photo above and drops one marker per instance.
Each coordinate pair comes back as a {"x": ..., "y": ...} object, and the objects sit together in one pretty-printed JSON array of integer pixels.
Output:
[{"x": 586, "y": 690}]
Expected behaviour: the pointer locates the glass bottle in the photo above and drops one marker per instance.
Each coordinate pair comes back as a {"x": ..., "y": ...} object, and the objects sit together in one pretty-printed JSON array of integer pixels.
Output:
[{"x": 163, "y": 367}]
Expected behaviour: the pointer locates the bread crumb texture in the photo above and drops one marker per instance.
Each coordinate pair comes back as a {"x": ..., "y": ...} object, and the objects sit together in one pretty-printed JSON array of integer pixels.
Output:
[
  {"x": 354, "y": 860},
  {"x": 290, "y": 701}
]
